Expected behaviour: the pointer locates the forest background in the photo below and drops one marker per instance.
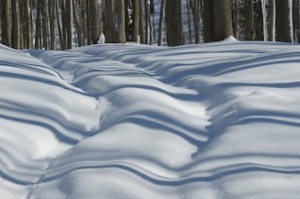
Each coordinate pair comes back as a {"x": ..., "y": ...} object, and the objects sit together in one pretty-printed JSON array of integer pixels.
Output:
[{"x": 64, "y": 24}]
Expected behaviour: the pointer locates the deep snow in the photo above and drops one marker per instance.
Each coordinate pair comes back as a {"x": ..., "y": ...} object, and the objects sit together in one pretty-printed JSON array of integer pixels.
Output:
[{"x": 217, "y": 120}]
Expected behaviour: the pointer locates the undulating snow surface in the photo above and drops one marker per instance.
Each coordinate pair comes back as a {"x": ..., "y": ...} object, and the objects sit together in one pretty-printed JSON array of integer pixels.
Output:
[{"x": 210, "y": 121}]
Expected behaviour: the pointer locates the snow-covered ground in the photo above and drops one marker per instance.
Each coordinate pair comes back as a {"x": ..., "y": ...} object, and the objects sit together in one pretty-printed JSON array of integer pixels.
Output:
[{"x": 218, "y": 120}]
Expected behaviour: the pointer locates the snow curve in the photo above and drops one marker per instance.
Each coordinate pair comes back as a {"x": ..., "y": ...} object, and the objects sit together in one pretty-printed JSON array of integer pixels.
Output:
[{"x": 218, "y": 120}]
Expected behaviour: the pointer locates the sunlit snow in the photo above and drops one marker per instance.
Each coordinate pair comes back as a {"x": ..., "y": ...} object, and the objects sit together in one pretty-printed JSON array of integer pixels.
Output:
[{"x": 216, "y": 120}]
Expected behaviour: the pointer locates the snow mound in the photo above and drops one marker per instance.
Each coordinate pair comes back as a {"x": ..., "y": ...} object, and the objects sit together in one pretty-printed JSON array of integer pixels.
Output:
[
  {"x": 217, "y": 120},
  {"x": 230, "y": 39}
]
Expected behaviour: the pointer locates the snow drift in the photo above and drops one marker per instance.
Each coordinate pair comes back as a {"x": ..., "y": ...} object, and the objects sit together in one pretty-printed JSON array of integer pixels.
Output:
[{"x": 218, "y": 120}]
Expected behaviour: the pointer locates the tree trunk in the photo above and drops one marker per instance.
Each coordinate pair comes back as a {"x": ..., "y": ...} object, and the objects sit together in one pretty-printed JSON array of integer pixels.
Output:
[
  {"x": 271, "y": 20},
  {"x": 69, "y": 24},
  {"x": 6, "y": 22},
  {"x": 236, "y": 19},
  {"x": 175, "y": 35},
  {"x": 59, "y": 26},
  {"x": 136, "y": 20},
  {"x": 127, "y": 20},
  {"x": 148, "y": 22},
  {"x": 27, "y": 24},
  {"x": 38, "y": 26},
  {"x": 188, "y": 13},
  {"x": 296, "y": 21},
  {"x": 94, "y": 20},
  {"x": 282, "y": 21},
  {"x": 16, "y": 24},
  {"x": 259, "y": 25},
  {"x": 196, "y": 14},
  {"x": 249, "y": 19},
  {"x": 141, "y": 26},
  {"x": 161, "y": 21},
  {"x": 217, "y": 20},
  {"x": 44, "y": 24},
  {"x": 82, "y": 6},
  {"x": 52, "y": 17},
  {"x": 109, "y": 30},
  {"x": 122, "y": 33}
]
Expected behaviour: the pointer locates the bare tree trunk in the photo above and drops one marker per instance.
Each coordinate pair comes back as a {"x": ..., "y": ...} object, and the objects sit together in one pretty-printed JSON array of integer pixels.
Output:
[
  {"x": 188, "y": 13},
  {"x": 88, "y": 22},
  {"x": 249, "y": 18},
  {"x": 95, "y": 20},
  {"x": 148, "y": 22},
  {"x": 69, "y": 24},
  {"x": 153, "y": 31},
  {"x": 161, "y": 21},
  {"x": 236, "y": 19},
  {"x": 59, "y": 26},
  {"x": 27, "y": 24},
  {"x": 6, "y": 16},
  {"x": 16, "y": 24},
  {"x": 52, "y": 16},
  {"x": 77, "y": 22},
  {"x": 122, "y": 33},
  {"x": 127, "y": 20},
  {"x": 196, "y": 14},
  {"x": 44, "y": 24},
  {"x": 109, "y": 30},
  {"x": 259, "y": 25},
  {"x": 141, "y": 26},
  {"x": 271, "y": 20},
  {"x": 282, "y": 21},
  {"x": 38, "y": 26},
  {"x": 83, "y": 11},
  {"x": 175, "y": 35},
  {"x": 296, "y": 21},
  {"x": 217, "y": 20},
  {"x": 64, "y": 44},
  {"x": 136, "y": 20}
]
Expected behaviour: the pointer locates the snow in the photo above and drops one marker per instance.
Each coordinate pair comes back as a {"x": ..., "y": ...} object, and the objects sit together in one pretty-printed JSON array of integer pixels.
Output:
[{"x": 216, "y": 120}]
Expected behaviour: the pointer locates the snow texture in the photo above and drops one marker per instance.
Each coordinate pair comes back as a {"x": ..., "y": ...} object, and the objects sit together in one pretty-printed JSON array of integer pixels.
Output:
[{"x": 210, "y": 121}]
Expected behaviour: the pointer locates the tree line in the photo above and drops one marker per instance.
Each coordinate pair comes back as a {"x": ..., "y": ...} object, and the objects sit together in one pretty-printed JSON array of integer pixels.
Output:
[{"x": 63, "y": 24}]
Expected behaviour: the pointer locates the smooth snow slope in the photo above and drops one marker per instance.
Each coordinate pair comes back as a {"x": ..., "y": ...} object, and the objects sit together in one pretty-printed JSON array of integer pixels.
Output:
[{"x": 219, "y": 120}]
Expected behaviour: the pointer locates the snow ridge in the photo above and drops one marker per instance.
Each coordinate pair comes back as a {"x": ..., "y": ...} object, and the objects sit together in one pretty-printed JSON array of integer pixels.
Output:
[{"x": 133, "y": 121}]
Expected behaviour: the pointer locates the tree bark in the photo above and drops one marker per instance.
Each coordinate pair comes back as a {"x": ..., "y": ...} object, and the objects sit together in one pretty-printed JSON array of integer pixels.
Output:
[
  {"x": 259, "y": 25},
  {"x": 217, "y": 20},
  {"x": 282, "y": 21},
  {"x": 109, "y": 30},
  {"x": 148, "y": 22},
  {"x": 196, "y": 14},
  {"x": 69, "y": 24},
  {"x": 175, "y": 35},
  {"x": 249, "y": 19},
  {"x": 16, "y": 24},
  {"x": 236, "y": 19},
  {"x": 38, "y": 26},
  {"x": 161, "y": 21},
  {"x": 141, "y": 29},
  {"x": 95, "y": 20},
  {"x": 271, "y": 20},
  {"x": 188, "y": 13},
  {"x": 6, "y": 22},
  {"x": 52, "y": 17},
  {"x": 296, "y": 21},
  {"x": 44, "y": 24},
  {"x": 136, "y": 20},
  {"x": 122, "y": 33},
  {"x": 59, "y": 25},
  {"x": 27, "y": 24}
]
